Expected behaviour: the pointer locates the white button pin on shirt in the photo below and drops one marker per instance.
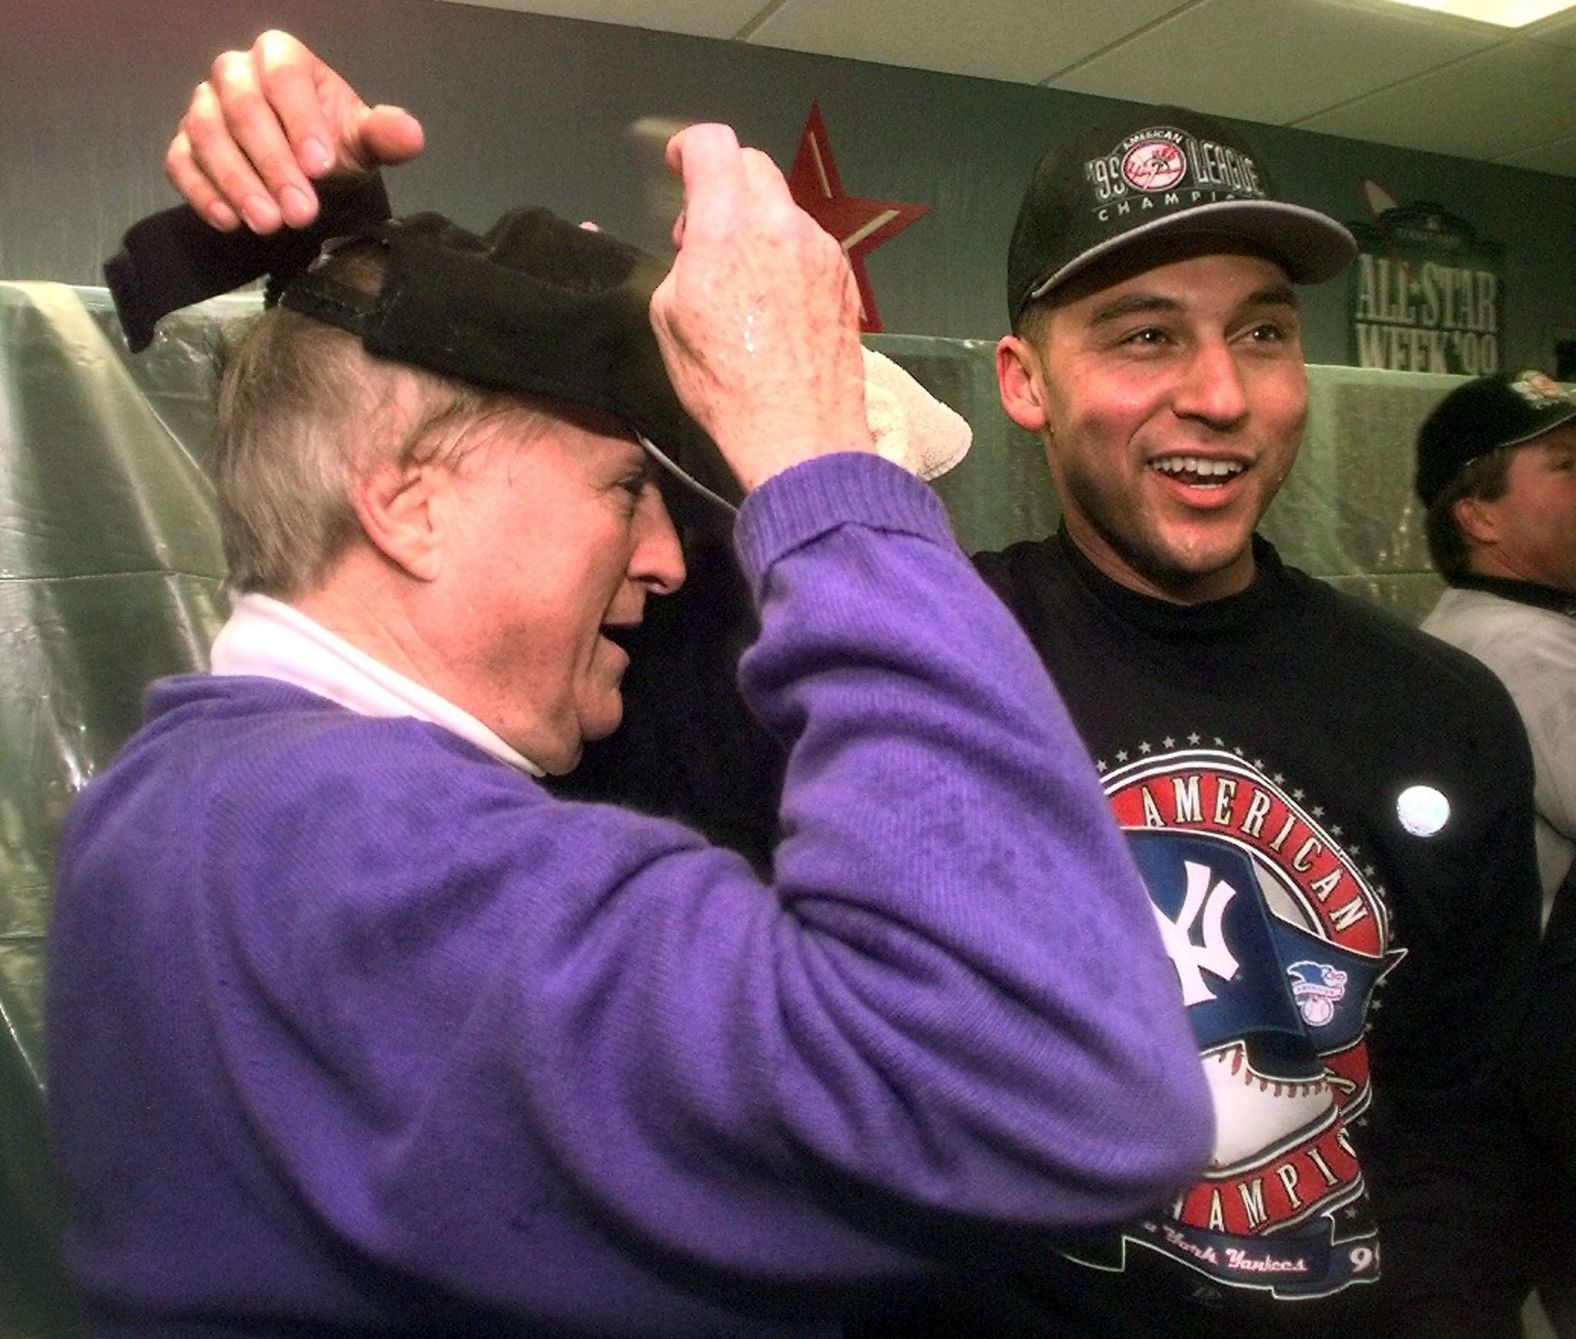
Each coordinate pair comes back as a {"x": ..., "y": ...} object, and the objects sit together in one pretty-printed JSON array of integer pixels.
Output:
[{"x": 1422, "y": 810}]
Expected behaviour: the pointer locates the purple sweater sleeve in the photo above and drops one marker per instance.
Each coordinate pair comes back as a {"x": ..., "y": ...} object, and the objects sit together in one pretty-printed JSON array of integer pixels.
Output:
[{"x": 956, "y": 990}]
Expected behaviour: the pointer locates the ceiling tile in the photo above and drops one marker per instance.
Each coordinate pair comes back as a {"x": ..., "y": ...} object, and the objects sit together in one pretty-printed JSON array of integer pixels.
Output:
[
  {"x": 1346, "y": 67},
  {"x": 1560, "y": 30},
  {"x": 715, "y": 18},
  {"x": 1558, "y": 157},
  {"x": 1020, "y": 40},
  {"x": 1509, "y": 98},
  {"x": 1227, "y": 57}
]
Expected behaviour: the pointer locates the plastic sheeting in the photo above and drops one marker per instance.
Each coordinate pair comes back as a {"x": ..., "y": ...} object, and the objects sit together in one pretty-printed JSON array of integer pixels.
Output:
[{"x": 111, "y": 575}]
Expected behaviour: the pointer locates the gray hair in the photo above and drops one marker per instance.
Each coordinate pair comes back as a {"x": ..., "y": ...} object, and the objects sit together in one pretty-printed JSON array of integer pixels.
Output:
[{"x": 303, "y": 412}]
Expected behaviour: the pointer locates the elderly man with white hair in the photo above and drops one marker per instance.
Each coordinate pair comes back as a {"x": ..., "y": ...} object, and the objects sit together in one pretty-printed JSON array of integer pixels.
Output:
[{"x": 356, "y": 1028}]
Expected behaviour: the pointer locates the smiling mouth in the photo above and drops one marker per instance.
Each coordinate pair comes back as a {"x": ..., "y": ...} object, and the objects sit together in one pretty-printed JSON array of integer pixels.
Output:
[{"x": 1198, "y": 472}]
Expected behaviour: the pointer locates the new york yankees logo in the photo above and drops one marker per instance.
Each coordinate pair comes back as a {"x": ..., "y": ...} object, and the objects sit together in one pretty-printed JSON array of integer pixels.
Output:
[
  {"x": 1193, "y": 959},
  {"x": 1278, "y": 942}
]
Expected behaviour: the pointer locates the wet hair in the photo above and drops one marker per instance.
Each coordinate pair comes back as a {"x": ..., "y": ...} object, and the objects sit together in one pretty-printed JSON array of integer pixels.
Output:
[
  {"x": 1487, "y": 478},
  {"x": 303, "y": 412}
]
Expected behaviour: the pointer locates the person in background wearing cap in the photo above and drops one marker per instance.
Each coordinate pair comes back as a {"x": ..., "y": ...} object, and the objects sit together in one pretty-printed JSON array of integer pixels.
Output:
[
  {"x": 355, "y": 1028},
  {"x": 1496, "y": 469},
  {"x": 1331, "y": 810}
]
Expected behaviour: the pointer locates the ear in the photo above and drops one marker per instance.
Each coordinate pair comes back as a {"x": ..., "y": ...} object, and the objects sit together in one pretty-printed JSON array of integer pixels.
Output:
[
  {"x": 402, "y": 509},
  {"x": 1018, "y": 379},
  {"x": 1479, "y": 520}
]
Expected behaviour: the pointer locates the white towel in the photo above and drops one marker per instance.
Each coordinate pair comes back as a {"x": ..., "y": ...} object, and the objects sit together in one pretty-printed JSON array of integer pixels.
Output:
[{"x": 911, "y": 427}]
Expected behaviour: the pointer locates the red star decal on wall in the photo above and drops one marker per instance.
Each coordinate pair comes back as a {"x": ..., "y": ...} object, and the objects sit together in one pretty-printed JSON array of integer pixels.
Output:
[{"x": 860, "y": 225}]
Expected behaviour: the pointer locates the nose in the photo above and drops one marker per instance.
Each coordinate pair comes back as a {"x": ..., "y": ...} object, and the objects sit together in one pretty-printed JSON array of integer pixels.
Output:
[
  {"x": 657, "y": 559},
  {"x": 1212, "y": 391}
]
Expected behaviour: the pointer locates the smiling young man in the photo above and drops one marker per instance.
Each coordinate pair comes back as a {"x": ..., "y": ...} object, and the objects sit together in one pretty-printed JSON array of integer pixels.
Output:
[
  {"x": 1173, "y": 413},
  {"x": 1331, "y": 811}
]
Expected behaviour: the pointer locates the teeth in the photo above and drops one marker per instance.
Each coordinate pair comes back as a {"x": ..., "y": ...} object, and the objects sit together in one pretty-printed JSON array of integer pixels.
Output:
[{"x": 1221, "y": 469}]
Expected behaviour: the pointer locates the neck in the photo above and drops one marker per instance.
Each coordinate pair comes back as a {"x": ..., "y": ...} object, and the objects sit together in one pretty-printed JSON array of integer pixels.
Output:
[
  {"x": 268, "y": 638},
  {"x": 1488, "y": 567},
  {"x": 1174, "y": 587},
  {"x": 387, "y": 629},
  {"x": 1489, "y": 563}
]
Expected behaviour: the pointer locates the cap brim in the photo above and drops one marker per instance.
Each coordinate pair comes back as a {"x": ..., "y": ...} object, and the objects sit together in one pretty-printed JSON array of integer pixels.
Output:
[
  {"x": 1310, "y": 246},
  {"x": 1555, "y": 419}
]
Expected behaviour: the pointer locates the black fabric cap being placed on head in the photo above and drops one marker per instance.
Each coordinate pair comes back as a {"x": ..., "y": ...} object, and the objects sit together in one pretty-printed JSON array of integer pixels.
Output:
[
  {"x": 1502, "y": 410},
  {"x": 536, "y": 304},
  {"x": 1158, "y": 171}
]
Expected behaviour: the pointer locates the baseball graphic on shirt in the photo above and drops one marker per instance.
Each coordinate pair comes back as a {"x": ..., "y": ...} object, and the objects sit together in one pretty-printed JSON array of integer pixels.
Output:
[{"x": 1278, "y": 939}]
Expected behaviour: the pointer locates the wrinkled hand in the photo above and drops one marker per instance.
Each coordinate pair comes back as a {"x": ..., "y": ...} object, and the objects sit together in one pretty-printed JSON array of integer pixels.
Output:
[
  {"x": 269, "y": 122},
  {"x": 758, "y": 318}
]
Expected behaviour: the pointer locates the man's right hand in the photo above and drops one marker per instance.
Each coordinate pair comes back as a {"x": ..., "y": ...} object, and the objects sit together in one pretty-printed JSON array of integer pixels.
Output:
[
  {"x": 267, "y": 124},
  {"x": 758, "y": 319}
]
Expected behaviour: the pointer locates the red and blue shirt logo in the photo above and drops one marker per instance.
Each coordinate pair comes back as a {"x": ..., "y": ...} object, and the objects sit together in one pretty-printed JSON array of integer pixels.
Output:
[{"x": 1279, "y": 938}]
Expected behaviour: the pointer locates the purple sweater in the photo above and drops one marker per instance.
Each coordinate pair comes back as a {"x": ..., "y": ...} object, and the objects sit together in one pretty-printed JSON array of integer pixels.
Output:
[{"x": 353, "y": 1027}]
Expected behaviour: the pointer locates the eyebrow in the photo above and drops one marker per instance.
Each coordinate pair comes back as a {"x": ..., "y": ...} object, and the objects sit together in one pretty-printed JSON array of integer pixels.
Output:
[
  {"x": 646, "y": 466},
  {"x": 1274, "y": 295},
  {"x": 1132, "y": 304}
]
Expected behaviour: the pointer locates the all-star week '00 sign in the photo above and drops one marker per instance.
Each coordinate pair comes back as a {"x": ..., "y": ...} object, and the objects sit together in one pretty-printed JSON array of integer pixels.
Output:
[{"x": 1427, "y": 294}]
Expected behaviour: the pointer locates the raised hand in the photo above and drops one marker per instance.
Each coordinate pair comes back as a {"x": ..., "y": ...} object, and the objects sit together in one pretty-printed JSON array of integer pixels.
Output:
[
  {"x": 758, "y": 318},
  {"x": 270, "y": 122}
]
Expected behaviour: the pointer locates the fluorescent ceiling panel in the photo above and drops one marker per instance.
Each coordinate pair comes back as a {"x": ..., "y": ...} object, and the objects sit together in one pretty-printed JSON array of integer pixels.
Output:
[{"x": 1504, "y": 13}]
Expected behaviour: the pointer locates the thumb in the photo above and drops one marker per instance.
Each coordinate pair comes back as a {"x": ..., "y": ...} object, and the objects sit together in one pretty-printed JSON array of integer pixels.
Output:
[{"x": 386, "y": 136}]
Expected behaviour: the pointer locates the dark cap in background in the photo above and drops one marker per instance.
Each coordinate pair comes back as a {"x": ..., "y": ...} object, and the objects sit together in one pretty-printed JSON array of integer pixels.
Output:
[
  {"x": 1506, "y": 409},
  {"x": 1158, "y": 171}
]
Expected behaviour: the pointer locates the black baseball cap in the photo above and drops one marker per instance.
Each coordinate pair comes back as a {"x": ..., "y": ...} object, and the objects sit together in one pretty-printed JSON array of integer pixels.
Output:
[
  {"x": 1158, "y": 171},
  {"x": 1506, "y": 409},
  {"x": 535, "y": 304}
]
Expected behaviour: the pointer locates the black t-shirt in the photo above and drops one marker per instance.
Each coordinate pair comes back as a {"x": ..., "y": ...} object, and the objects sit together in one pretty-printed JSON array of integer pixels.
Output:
[{"x": 1333, "y": 814}]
